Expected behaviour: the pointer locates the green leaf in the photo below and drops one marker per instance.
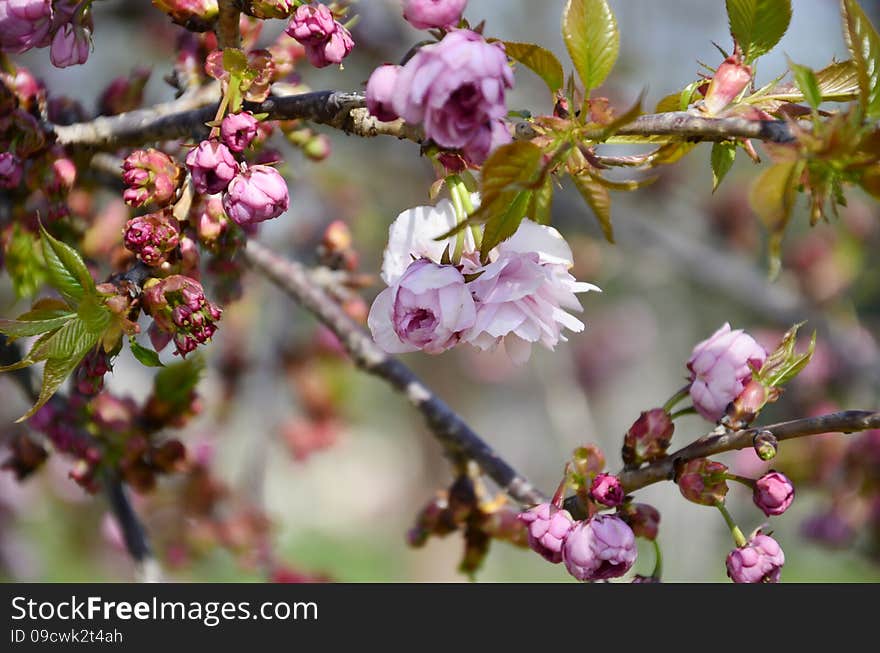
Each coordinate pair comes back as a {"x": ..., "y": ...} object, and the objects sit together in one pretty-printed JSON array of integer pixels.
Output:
[
  {"x": 65, "y": 342},
  {"x": 598, "y": 199},
  {"x": 838, "y": 82},
  {"x": 591, "y": 37},
  {"x": 24, "y": 262},
  {"x": 723, "y": 155},
  {"x": 540, "y": 60},
  {"x": 67, "y": 271},
  {"x": 772, "y": 198},
  {"x": 864, "y": 45},
  {"x": 502, "y": 226},
  {"x": 758, "y": 25},
  {"x": 35, "y": 323},
  {"x": 94, "y": 315},
  {"x": 783, "y": 364},
  {"x": 540, "y": 207},
  {"x": 144, "y": 355},
  {"x": 807, "y": 83},
  {"x": 174, "y": 383},
  {"x": 55, "y": 372}
]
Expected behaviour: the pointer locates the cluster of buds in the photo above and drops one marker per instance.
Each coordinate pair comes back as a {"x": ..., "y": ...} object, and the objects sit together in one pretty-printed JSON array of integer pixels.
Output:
[
  {"x": 88, "y": 377},
  {"x": 703, "y": 481},
  {"x": 252, "y": 193},
  {"x": 179, "y": 308},
  {"x": 152, "y": 237},
  {"x": 324, "y": 38},
  {"x": 64, "y": 25},
  {"x": 151, "y": 177}
]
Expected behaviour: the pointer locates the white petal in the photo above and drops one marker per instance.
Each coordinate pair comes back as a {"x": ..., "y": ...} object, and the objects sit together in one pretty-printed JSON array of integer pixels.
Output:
[
  {"x": 517, "y": 349},
  {"x": 381, "y": 326},
  {"x": 546, "y": 241}
]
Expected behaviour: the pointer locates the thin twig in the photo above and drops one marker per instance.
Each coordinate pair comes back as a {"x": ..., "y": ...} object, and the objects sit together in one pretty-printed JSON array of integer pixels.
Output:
[
  {"x": 847, "y": 421},
  {"x": 450, "y": 429},
  {"x": 133, "y": 532}
]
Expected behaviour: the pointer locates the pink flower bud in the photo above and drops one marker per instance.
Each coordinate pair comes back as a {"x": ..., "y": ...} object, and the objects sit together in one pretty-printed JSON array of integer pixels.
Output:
[
  {"x": 703, "y": 481},
  {"x": 548, "y": 527},
  {"x": 124, "y": 93},
  {"x": 178, "y": 307},
  {"x": 10, "y": 170},
  {"x": 325, "y": 40},
  {"x": 317, "y": 148},
  {"x": 759, "y": 561},
  {"x": 212, "y": 166},
  {"x": 151, "y": 176},
  {"x": 649, "y": 437},
  {"x": 749, "y": 402},
  {"x": 425, "y": 14},
  {"x": 773, "y": 493},
  {"x": 194, "y": 14},
  {"x": 257, "y": 194},
  {"x": 25, "y": 24},
  {"x": 380, "y": 88},
  {"x": 152, "y": 236},
  {"x": 599, "y": 548},
  {"x": 720, "y": 369},
  {"x": 238, "y": 130},
  {"x": 71, "y": 44},
  {"x": 729, "y": 80},
  {"x": 607, "y": 490},
  {"x": 643, "y": 519}
]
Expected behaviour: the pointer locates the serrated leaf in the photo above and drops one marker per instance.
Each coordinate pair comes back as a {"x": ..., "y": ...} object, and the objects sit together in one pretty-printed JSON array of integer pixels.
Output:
[
  {"x": 772, "y": 197},
  {"x": 144, "y": 355},
  {"x": 34, "y": 323},
  {"x": 807, "y": 83},
  {"x": 668, "y": 103},
  {"x": 24, "y": 262},
  {"x": 592, "y": 39},
  {"x": 539, "y": 60},
  {"x": 598, "y": 199},
  {"x": 540, "y": 206},
  {"x": 722, "y": 158},
  {"x": 94, "y": 315},
  {"x": 839, "y": 81},
  {"x": 64, "y": 342},
  {"x": 67, "y": 272},
  {"x": 864, "y": 45},
  {"x": 55, "y": 372},
  {"x": 174, "y": 383},
  {"x": 758, "y": 25},
  {"x": 503, "y": 225}
]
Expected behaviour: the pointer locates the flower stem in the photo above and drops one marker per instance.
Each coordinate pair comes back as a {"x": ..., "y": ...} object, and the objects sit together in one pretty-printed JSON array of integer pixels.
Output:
[
  {"x": 748, "y": 482},
  {"x": 690, "y": 410},
  {"x": 677, "y": 397},
  {"x": 658, "y": 560},
  {"x": 738, "y": 536}
]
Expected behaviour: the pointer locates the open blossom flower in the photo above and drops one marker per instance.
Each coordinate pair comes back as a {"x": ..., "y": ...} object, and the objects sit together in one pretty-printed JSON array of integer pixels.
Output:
[
  {"x": 759, "y": 561},
  {"x": 773, "y": 493},
  {"x": 212, "y": 166},
  {"x": 379, "y": 91},
  {"x": 720, "y": 369},
  {"x": 427, "y": 308},
  {"x": 257, "y": 194},
  {"x": 599, "y": 548},
  {"x": 548, "y": 527},
  {"x": 25, "y": 24},
  {"x": 425, "y": 14},
  {"x": 455, "y": 89},
  {"x": 523, "y": 295},
  {"x": 325, "y": 40}
]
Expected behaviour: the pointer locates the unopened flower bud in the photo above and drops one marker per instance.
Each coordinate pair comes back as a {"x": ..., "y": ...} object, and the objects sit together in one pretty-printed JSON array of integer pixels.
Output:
[
  {"x": 729, "y": 80},
  {"x": 427, "y": 14},
  {"x": 703, "y": 481},
  {"x": 212, "y": 166},
  {"x": 649, "y": 437},
  {"x": 548, "y": 527},
  {"x": 766, "y": 445},
  {"x": 25, "y": 24},
  {"x": 257, "y": 194},
  {"x": 124, "y": 93},
  {"x": 759, "y": 561},
  {"x": 642, "y": 518},
  {"x": 599, "y": 548},
  {"x": 238, "y": 130},
  {"x": 152, "y": 236},
  {"x": 773, "y": 493},
  {"x": 745, "y": 408},
  {"x": 607, "y": 490},
  {"x": 380, "y": 89},
  {"x": 151, "y": 177}
]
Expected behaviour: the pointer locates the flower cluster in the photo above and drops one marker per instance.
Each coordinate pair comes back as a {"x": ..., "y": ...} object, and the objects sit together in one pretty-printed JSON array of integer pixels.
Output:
[
  {"x": 454, "y": 88},
  {"x": 519, "y": 297},
  {"x": 251, "y": 193},
  {"x": 178, "y": 307},
  {"x": 65, "y": 26},
  {"x": 151, "y": 177},
  {"x": 152, "y": 236},
  {"x": 325, "y": 39}
]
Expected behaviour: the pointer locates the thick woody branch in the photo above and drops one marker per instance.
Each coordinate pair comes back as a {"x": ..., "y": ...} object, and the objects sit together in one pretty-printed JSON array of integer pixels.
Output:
[
  {"x": 683, "y": 125},
  {"x": 133, "y": 532},
  {"x": 449, "y": 428},
  {"x": 848, "y": 421},
  {"x": 228, "y": 33}
]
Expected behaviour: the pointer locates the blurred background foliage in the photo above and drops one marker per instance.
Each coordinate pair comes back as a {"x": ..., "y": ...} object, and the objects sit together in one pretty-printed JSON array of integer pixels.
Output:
[{"x": 340, "y": 465}]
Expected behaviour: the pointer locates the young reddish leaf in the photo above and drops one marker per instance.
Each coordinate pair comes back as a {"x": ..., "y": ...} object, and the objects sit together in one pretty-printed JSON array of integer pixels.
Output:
[
  {"x": 723, "y": 155},
  {"x": 864, "y": 45},
  {"x": 540, "y": 60},
  {"x": 591, "y": 37},
  {"x": 758, "y": 25},
  {"x": 598, "y": 199}
]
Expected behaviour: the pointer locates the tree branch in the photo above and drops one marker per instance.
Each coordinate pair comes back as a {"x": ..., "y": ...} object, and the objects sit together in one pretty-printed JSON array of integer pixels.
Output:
[
  {"x": 684, "y": 125},
  {"x": 450, "y": 429},
  {"x": 848, "y": 421},
  {"x": 133, "y": 532}
]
